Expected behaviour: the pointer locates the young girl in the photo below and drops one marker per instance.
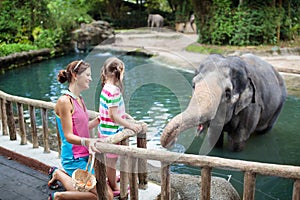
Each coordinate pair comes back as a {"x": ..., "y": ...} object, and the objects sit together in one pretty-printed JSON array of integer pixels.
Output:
[
  {"x": 112, "y": 111},
  {"x": 73, "y": 125}
]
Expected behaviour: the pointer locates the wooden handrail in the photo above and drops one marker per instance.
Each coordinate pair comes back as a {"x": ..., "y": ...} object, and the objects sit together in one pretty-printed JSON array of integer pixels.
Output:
[
  {"x": 284, "y": 171},
  {"x": 133, "y": 160}
]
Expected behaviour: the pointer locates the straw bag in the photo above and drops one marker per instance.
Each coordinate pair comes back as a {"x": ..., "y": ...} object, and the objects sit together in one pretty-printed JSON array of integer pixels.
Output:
[{"x": 83, "y": 180}]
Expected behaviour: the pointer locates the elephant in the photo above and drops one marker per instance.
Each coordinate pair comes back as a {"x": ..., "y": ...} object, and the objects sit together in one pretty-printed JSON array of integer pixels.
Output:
[
  {"x": 237, "y": 95},
  {"x": 155, "y": 20}
]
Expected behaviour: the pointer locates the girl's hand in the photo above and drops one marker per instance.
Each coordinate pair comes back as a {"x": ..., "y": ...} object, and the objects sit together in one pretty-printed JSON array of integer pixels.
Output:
[{"x": 137, "y": 128}]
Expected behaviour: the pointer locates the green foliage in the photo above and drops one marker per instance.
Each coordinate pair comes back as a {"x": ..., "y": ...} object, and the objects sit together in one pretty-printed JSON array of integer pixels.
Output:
[
  {"x": 47, "y": 38},
  {"x": 49, "y": 23},
  {"x": 254, "y": 27},
  {"x": 6, "y": 49},
  {"x": 69, "y": 14},
  {"x": 18, "y": 18},
  {"x": 242, "y": 25},
  {"x": 221, "y": 25},
  {"x": 252, "y": 23}
]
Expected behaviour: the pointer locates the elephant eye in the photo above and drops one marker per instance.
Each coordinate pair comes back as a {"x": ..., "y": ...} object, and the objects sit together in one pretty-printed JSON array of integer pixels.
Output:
[
  {"x": 228, "y": 94},
  {"x": 193, "y": 85}
]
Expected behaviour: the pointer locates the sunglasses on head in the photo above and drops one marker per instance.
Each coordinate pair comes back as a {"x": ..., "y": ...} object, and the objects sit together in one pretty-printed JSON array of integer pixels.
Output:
[{"x": 77, "y": 65}]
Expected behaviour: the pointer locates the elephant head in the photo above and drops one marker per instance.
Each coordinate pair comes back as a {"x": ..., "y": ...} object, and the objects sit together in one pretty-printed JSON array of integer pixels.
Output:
[{"x": 222, "y": 88}]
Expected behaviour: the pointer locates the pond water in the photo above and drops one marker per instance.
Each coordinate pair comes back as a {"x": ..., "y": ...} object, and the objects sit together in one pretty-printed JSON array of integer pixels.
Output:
[{"x": 154, "y": 93}]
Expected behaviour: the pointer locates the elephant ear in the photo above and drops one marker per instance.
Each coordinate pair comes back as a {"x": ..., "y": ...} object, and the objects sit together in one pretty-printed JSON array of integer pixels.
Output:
[{"x": 246, "y": 97}]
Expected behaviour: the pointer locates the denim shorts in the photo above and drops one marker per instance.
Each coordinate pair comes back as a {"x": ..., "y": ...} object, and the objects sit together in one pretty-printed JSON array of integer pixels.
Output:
[{"x": 79, "y": 163}]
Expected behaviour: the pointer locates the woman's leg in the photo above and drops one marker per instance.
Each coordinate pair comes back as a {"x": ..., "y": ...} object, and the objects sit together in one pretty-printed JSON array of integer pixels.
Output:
[
  {"x": 64, "y": 178},
  {"x": 71, "y": 192}
]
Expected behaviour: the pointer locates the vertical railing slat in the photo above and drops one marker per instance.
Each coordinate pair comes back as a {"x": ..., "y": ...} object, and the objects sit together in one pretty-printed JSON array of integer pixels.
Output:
[
  {"x": 11, "y": 121},
  {"x": 100, "y": 173},
  {"x": 205, "y": 183},
  {"x": 34, "y": 137},
  {"x": 249, "y": 185},
  {"x": 4, "y": 117},
  {"x": 133, "y": 178},
  {"x": 142, "y": 163},
  {"x": 165, "y": 181},
  {"x": 296, "y": 190},
  {"x": 22, "y": 124},
  {"x": 124, "y": 173},
  {"x": 45, "y": 130}
]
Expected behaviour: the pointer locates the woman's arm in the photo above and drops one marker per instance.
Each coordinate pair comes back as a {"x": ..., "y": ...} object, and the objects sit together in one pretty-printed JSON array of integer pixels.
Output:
[{"x": 63, "y": 109}]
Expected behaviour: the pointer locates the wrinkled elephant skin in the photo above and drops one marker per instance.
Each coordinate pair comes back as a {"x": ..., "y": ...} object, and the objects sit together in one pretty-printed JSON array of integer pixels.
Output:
[{"x": 236, "y": 95}]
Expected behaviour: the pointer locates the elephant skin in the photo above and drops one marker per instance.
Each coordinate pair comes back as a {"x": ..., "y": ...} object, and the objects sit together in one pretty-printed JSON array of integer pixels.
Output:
[
  {"x": 155, "y": 20},
  {"x": 236, "y": 95}
]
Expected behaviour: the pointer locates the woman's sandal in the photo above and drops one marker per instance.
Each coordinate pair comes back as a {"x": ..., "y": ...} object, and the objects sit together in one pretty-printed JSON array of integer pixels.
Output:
[
  {"x": 51, "y": 196},
  {"x": 54, "y": 185}
]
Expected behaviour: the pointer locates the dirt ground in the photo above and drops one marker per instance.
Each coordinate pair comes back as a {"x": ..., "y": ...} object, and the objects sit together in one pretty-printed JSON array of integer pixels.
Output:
[{"x": 169, "y": 47}]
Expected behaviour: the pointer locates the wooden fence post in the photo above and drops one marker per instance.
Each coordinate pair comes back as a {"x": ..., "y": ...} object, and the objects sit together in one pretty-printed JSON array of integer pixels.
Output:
[
  {"x": 296, "y": 190},
  {"x": 22, "y": 124},
  {"x": 124, "y": 173},
  {"x": 4, "y": 117},
  {"x": 133, "y": 177},
  {"x": 45, "y": 131},
  {"x": 249, "y": 185},
  {"x": 34, "y": 137},
  {"x": 11, "y": 121},
  {"x": 100, "y": 173},
  {"x": 205, "y": 183},
  {"x": 165, "y": 181},
  {"x": 142, "y": 163}
]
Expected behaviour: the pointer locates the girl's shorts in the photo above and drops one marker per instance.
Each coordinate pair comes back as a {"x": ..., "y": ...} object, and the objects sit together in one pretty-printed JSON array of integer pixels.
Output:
[
  {"x": 79, "y": 163},
  {"x": 108, "y": 155}
]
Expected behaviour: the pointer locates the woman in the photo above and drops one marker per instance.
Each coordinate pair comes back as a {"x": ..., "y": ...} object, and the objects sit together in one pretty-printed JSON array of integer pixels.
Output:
[{"x": 73, "y": 125}]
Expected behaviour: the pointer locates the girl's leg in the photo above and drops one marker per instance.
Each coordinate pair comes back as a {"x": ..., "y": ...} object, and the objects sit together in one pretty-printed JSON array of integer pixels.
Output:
[{"x": 111, "y": 164}]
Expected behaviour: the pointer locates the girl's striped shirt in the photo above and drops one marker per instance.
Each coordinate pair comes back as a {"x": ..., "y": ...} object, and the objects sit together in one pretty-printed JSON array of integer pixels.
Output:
[{"x": 111, "y": 96}]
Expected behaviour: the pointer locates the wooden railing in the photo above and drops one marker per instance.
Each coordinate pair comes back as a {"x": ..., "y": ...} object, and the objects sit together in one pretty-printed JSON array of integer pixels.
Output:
[{"x": 133, "y": 160}]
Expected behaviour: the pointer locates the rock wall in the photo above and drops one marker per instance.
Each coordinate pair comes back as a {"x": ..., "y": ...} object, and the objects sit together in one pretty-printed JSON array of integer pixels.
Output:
[
  {"x": 93, "y": 34},
  {"x": 184, "y": 186},
  {"x": 24, "y": 58}
]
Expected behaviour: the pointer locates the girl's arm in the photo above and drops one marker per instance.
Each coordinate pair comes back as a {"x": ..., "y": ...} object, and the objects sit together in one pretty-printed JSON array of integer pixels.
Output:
[
  {"x": 113, "y": 114},
  {"x": 94, "y": 122},
  {"x": 129, "y": 116}
]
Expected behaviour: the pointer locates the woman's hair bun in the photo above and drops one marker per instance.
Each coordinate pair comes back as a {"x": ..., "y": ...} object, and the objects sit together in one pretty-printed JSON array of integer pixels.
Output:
[{"x": 62, "y": 76}]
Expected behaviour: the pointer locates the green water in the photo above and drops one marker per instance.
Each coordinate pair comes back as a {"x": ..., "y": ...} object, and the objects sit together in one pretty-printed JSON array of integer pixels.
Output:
[{"x": 155, "y": 93}]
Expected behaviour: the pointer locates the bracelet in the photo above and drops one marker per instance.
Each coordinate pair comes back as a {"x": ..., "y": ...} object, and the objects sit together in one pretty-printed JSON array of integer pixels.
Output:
[{"x": 82, "y": 140}]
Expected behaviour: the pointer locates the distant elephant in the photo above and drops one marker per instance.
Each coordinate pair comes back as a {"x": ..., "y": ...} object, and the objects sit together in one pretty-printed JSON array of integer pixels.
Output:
[
  {"x": 155, "y": 20},
  {"x": 237, "y": 95}
]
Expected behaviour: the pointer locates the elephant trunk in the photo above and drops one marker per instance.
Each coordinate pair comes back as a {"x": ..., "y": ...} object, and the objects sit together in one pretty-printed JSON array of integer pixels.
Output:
[{"x": 202, "y": 108}]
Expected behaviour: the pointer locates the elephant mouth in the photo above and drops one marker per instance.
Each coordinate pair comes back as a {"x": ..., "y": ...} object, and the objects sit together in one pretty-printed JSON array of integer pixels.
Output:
[{"x": 202, "y": 127}]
